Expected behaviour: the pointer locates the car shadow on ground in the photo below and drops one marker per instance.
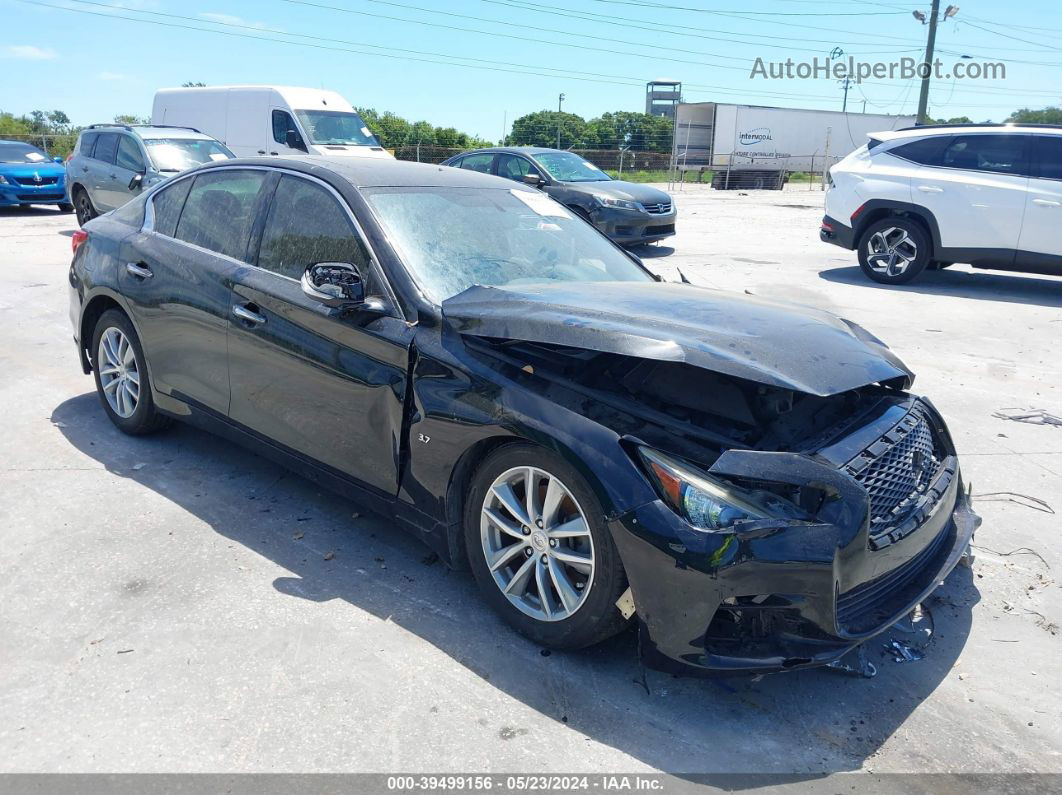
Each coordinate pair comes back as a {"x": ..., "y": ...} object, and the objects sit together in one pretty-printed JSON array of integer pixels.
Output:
[
  {"x": 801, "y": 724},
  {"x": 647, "y": 251},
  {"x": 33, "y": 211},
  {"x": 981, "y": 285}
]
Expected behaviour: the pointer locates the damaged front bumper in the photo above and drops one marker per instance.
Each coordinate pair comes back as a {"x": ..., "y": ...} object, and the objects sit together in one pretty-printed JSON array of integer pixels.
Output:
[{"x": 775, "y": 595}]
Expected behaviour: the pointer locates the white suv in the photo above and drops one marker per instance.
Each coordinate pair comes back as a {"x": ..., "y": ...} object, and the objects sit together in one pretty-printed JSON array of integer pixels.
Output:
[{"x": 987, "y": 195}]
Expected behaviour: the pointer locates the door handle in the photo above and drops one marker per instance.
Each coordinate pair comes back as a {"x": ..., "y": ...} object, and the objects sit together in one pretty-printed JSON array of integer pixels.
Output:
[
  {"x": 930, "y": 189},
  {"x": 1047, "y": 202},
  {"x": 139, "y": 271},
  {"x": 114, "y": 176},
  {"x": 84, "y": 169},
  {"x": 247, "y": 313}
]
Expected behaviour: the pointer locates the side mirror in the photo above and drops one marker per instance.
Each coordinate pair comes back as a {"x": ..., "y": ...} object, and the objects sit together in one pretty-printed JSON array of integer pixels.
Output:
[
  {"x": 335, "y": 284},
  {"x": 294, "y": 141},
  {"x": 58, "y": 160},
  {"x": 136, "y": 181},
  {"x": 534, "y": 180}
]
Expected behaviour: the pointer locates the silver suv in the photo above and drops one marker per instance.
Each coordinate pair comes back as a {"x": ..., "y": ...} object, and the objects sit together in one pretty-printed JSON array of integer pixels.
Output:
[{"x": 112, "y": 163}]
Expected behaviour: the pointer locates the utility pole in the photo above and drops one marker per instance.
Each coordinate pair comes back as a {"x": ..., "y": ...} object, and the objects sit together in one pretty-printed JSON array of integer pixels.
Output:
[
  {"x": 845, "y": 84},
  {"x": 923, "y": 94},
  {"x": 560, "y": 100},
  {"x": 927, "y": 64}
]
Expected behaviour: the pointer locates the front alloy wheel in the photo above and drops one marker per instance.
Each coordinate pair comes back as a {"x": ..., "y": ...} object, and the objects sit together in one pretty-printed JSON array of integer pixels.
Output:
[
  {"x": 537, "y": 543},
  {"x": 540, "y": 548}
]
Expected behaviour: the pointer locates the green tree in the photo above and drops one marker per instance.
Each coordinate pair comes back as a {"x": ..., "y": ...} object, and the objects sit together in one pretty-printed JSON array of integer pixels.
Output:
[
  {"x": 540, "y": 129},
  {"x": 190, "y": 84},
  {"x": 953, "y": 120},
  {"x": 1048, "y": 115},
  {"x": 128, "y": 118}
]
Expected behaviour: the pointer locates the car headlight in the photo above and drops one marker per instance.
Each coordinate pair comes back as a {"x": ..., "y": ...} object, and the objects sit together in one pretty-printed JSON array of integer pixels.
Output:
[
  {"x": 709, "y": 503},
  {"x": 3, "y": 180},
  {"x": 611, "y": 201}
]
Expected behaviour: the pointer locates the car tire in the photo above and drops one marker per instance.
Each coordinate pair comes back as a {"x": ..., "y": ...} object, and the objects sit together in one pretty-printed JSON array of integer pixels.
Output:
[
  {"x": 121, "y": 375},
  {"x": 894, "y": 250},
  {"x": 65, "y": 208},
  {"x": 83, "y": 206},
  {"x": 579, "y": 568}
]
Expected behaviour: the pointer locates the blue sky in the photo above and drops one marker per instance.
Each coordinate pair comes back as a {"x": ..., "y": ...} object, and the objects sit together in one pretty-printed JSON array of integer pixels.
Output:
[{"x": 599, "y": 53}]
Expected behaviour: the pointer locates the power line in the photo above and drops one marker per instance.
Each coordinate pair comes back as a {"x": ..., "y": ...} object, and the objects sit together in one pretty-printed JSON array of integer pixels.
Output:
[
  {"x": 627, "y": 22},
  {"x": 728, "y": 12},
  {"x": 343, "y": 9}
]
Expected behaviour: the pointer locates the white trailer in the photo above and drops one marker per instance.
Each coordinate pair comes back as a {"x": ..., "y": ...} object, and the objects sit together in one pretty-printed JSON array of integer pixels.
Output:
[{"x": 754, "y": 146}]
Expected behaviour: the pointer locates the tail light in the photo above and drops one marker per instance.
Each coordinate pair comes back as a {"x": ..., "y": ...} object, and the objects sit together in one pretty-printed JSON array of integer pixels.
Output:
[
  {"x": 858, "y": 211},
  {"x": 79, "y": 237}
]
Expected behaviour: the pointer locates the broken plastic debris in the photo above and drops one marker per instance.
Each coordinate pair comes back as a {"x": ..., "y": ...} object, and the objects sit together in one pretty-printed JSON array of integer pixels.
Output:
[
  {"x": 902, "y": 653},
  {"x": 855, "y": 663},
  {"x": 1029, "y": 416}
]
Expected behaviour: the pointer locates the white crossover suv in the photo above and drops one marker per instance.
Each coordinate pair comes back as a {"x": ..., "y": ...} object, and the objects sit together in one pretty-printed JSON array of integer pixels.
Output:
[{"x": 988, "y": 195}]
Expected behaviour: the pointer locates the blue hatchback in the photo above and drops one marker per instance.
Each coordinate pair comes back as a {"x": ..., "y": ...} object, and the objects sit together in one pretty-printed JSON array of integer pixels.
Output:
[{"x": 29, "y": 176}]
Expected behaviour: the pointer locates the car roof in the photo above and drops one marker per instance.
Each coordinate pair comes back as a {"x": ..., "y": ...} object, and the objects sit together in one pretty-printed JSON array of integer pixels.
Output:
[
  {"x": 953, "y": 129},
  {"x": 149, "y": 131},
  {"x": 378, "y": 172},
  {"x": 514, "y": 150}
]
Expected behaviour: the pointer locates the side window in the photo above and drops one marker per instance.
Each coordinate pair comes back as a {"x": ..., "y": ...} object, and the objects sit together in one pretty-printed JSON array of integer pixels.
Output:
[
  {"x": 88, "y": 143},
  {"x": 1001, "y": 154},
  {"x": 106, "y": 147},
  {"x": 129, "y": 154},
  {"x": 1049, "y": 154},
  {"x": 167, "y": 204},
  {"x": 477, "y": 163},
  {"x": 282, "y": 122},
  {"x": 219, "y": 211},
  {"x": 514, "y": 167},
  {"x": 927, "y": 152},
  {"x": 307, "y": 225}
]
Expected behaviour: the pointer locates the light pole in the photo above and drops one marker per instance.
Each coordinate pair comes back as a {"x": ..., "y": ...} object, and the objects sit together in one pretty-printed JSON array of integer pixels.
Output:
[
  {"x": 560, "y": 100},
  {"x": 927, "y": 64}
]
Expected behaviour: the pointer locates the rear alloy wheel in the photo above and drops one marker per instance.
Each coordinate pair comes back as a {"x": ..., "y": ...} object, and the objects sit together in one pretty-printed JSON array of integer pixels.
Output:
[
  {"x": 83, "y": 207},
  {"x": 540, "y": 550},
  {"x": 121, "y": 376},
  {"x": 893, "y": 250}
]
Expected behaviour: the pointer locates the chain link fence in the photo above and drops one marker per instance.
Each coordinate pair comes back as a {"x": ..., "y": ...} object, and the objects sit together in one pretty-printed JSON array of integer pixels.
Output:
[{"x": 54, "y": 144}]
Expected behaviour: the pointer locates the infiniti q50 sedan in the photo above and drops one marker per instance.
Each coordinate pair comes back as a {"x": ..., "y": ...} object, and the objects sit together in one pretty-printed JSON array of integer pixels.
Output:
[{"x": 751, "y": 482}]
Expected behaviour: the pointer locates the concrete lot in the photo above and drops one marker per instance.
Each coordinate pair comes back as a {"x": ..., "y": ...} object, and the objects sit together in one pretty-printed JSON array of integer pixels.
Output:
[{"x": 166, "y": 603}]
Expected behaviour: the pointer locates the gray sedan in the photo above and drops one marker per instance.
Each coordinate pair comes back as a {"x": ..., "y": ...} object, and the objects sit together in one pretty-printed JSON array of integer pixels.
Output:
[{"x": 627, "y": 212}]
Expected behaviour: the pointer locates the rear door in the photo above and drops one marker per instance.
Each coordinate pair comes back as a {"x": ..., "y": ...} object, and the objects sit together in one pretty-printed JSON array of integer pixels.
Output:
[
  {"x": 325, "y": 384},
  {"x": 100, "y": 177},
  {"x": 977, "y": 192},
  {"x": 1041, "y": 234},
  {"x": 177, "y": 274}
]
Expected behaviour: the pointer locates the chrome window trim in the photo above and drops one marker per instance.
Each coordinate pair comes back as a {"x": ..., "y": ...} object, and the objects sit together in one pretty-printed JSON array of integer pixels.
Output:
[{"x": 374, "y": 261}]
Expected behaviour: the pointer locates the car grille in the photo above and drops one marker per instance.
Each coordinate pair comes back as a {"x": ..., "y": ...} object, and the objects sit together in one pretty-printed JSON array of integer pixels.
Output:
[
  {"x": 658, "y": 209},
  {"x": 868, "y": 605},
  {"x": 666, "y": 229},
  {"x": 40, "y": 197},
  {"x": 898, "y": 469},
  {"x": 34, "y": 182}
]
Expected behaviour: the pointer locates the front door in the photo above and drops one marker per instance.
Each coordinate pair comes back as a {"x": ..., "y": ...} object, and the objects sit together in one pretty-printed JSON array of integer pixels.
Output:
[
  {"x": 326, "y": 384},
  {"x": 177, "y": 275},
  {"x": 1041, "y": 238}
]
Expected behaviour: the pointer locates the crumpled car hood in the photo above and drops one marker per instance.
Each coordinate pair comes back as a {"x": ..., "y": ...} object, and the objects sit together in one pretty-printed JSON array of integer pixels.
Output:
[{"x": 783, "y": 345}]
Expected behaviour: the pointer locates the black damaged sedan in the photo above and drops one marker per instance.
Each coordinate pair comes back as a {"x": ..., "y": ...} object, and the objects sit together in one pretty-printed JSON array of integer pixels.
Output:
[{"x": 752, "y": 482}]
